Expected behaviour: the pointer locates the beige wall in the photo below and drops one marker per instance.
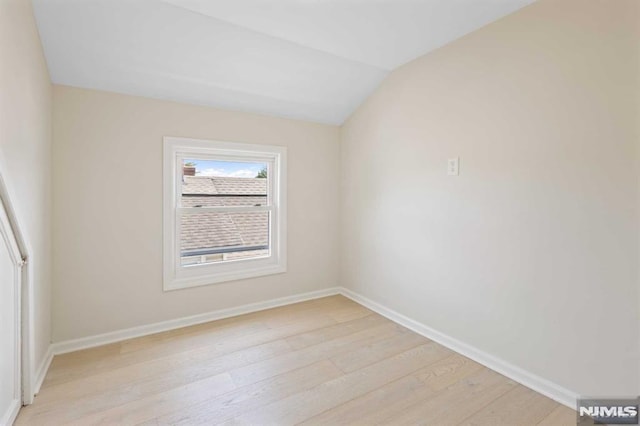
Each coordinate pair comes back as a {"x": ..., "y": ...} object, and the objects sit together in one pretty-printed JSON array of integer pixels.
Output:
[
  {"x": 531, "y": 253},
  {"x": 25, "y": 151},
  {"x": 108, "y": 209}
]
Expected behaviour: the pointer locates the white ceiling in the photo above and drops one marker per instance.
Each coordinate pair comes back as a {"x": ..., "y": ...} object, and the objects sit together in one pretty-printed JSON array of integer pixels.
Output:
[{"x": 309, "y": 59}]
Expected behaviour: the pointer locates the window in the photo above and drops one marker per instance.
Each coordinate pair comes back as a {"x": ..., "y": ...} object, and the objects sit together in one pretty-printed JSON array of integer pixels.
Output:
[{"x": 224, "y": 211}]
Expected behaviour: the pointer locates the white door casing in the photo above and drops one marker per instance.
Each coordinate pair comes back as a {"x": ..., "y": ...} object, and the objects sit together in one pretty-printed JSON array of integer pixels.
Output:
[{"x": 11, "y": 264}]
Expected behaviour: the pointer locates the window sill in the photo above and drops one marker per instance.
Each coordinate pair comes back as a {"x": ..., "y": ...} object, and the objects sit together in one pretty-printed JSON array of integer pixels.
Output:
[{"x": 221, "y": 277}]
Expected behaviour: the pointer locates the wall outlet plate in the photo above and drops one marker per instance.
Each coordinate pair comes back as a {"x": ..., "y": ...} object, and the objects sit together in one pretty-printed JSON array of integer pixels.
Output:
[{"x": 453, "y": 166}]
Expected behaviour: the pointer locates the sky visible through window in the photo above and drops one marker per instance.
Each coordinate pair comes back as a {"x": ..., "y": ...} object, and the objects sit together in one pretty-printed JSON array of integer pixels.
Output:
[{"x": 226, "y": 168}]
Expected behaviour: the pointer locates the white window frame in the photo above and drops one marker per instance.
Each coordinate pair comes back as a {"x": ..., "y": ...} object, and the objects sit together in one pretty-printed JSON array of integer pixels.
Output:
[{"x": 176, "y": 149}]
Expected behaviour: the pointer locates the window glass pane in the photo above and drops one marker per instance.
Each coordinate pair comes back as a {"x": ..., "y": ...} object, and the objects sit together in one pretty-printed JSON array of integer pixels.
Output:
[
  {"x": 218, "y": 237},
  {"x": 209, "y": 183}
]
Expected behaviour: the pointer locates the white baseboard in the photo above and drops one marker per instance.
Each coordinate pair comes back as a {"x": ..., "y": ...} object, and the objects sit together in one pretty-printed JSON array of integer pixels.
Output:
[
  {"x": 42, "y": 370},
  {"x": 511, "y": 371},
  {"x": 10, "y": 415},
  {"x": 144, "y": 330},
  {"x": 532, "y": 381}
]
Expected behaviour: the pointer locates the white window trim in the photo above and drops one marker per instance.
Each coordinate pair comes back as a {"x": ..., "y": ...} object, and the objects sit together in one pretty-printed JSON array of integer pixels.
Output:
[{"x": 177, "y": 277}]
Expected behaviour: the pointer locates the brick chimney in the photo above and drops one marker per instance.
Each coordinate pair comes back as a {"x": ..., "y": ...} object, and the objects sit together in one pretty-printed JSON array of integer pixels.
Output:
[{"x": 189, "y": 170}]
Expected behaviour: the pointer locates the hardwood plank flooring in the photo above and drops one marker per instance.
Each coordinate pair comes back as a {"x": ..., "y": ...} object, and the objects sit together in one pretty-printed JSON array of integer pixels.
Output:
[{"x": 328, "y": 361}]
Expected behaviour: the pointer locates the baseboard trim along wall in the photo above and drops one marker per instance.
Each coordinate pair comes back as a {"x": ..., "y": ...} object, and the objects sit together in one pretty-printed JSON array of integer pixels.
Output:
[
  {"x": 41, "y": 373},
  {"x": 145, "y": 330},
  {"x": 12, "y": 412},
  {"x": 517, "y": 374},
  {"x": 538, "y": 384}
]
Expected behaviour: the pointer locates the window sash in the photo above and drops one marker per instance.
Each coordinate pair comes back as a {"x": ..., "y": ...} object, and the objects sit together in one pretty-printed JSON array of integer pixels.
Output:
[
  {"x": 268, "y": 160},
  {"x": 271, "y": 226},
  {"x": 180, "y": 211},
  {"x": 223, "y": 209}
]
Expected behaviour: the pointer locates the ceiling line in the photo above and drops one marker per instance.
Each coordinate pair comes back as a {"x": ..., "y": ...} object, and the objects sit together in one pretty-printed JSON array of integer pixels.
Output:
[
  {"x": 281, "y": 39},
  {"x": 202, "y": 82},
  {"x": 259, "y": 111}
]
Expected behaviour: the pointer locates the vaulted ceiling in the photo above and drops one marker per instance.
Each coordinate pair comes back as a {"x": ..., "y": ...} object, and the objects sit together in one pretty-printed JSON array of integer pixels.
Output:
[{"x": 308, "y": 59}]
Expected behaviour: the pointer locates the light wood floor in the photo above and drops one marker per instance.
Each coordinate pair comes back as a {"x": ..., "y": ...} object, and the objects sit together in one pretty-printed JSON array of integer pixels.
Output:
[{"x": 326, "y": 362}]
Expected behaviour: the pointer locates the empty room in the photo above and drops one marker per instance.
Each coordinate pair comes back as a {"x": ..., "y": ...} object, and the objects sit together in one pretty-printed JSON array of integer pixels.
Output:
[{"x": 319, "y": 212}]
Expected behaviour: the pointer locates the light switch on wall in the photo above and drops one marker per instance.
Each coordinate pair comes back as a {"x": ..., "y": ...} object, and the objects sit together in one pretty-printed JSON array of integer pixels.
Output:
[{"x": 453, "y": 166}]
